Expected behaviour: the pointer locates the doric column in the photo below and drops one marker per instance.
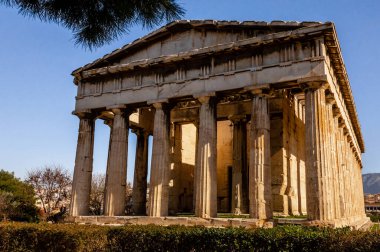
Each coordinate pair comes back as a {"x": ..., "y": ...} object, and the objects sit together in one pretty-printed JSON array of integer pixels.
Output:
[
  {"x": 292, "y": 153},
  {"x": 346, "y": 173},
  {"x": 316, "y": 155},
  {"x": 240, "y": 169},
  {"x": 140, "y": 174},
  {"x": 361, "y": 206},
  {"x": 341, "y": 170},
  {"x": 83, "y": 166},
  {"x": 300, "y": 135},
  {"x": 114, "y": 201},
  {"x": 160, "y": 166},
  {"x": 332, "y": 153},
  {"x": 107, "y": 122},
  {"x": 206, "y": 179},
  {"x": 339, "y": 182},
  {"x": 260, "y": 193}
]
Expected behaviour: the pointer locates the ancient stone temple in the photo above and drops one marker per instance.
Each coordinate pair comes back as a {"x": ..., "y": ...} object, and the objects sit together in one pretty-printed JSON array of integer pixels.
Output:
[{"x": 248, "y": 118}]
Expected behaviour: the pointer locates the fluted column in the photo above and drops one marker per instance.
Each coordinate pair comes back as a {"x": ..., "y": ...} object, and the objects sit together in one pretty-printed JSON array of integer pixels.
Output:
[
  {"x": 316, "y": 155},
  {"x": 83, "y": 166},
  {"x": 361, "y": 205},
  {"x": 114, "y": 202},
  {"x": 341, "y": 170},
  {"x": 260, "y": 193},
  {"x": 206, "y": 180},
  {"x": 240, "y": 169},
  {"x": 300, "y": 133},
  {"x": 332, "y": 153},
  {"x": 140, "y": 174},
  {"x": 160, "y": 166},
  {"x": 346, "y": 173},
  {"x": 292, "y": 153}
]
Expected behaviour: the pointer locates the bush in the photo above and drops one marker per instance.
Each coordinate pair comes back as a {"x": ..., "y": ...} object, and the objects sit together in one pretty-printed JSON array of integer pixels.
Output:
[
  {"x": 374, "y": 217},
  {"x": 72, "y": 237},
  {"x": 16, "y": 199}
]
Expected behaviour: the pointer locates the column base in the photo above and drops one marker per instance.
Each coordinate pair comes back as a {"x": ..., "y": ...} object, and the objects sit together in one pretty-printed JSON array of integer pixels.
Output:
[
  {"x": 355, "y": 223},
  {"x": 167, "y": 221}
]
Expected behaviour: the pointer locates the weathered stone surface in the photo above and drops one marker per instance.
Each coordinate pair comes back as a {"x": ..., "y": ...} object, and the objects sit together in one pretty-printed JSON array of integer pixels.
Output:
[
  {"x": 80, "y": 196},
  {"x": 217, "y": 96},
  {"x": 205, "y": 175},
  {"x": 116, "y": 179},
  {"x": 240, "y": 166},
  {"x": 260, "y": 190},
  {"x": 160, "y": 167}
]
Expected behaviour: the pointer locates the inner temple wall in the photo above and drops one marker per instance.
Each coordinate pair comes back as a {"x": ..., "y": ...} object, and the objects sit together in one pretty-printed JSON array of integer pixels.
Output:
[
  {"x": 183, "y": 141},
  {"x": 224, "y": 165}
]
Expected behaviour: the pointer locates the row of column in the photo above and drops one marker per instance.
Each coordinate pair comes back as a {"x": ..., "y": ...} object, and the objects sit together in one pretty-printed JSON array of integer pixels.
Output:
[
  {"x": 288, "y": 154},
  {"x": 333, "y": 173},
  {"x": 329, "y": 161},
  {"x": 205, "y": 180},
  {"x": 205, "y": 177},
  {"x": 115, "y": 184}
]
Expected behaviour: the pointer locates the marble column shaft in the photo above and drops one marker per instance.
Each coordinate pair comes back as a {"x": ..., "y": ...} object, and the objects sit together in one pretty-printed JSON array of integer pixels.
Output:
[
  {"x": 340, "y": 174},
  {"x": 316, "y": 160},
  {"x": 240, "y": 168},
  {"x": 346, "y": 175},
  {"x": 335, "y": 159},
  {"x": 83, "y": 167},
  {"x": 300, "y": 134},
  {"x": 160, "y": 166},
  {"x": 140, "y": 174},
  {"x": 114, "y": 202},
  {"x": 292, "y": 153},
  {"x": 331, "y": 152},
  {"x": 206, "y": 179},
  {"x": 260, "y": 193}
]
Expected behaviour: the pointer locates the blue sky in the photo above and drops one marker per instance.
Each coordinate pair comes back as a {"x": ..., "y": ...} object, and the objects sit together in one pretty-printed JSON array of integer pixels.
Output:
[{"x": 37, "y": 93}]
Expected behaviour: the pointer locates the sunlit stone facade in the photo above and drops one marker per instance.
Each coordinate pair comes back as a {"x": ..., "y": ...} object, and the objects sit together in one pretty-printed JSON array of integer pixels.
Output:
[{"x": 249, "y": 118}]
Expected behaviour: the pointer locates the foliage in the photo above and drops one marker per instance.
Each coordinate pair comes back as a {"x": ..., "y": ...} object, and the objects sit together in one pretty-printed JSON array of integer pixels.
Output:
[
  {"x": 374, "y": 216},
  {"x": 97, "y": 194},
  {"x": 95, "y": 23},
  {"x": 71, "y": 237},
  {"x": 128, "y": 198},
  {"x": 52, "y": 185},
  {"x": 51, "y": 237},
  {"x": 16, "y": 199}
]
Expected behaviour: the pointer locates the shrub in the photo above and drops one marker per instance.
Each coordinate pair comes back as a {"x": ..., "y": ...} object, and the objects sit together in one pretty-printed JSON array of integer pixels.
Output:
[
  {"x": 16, "y": 199},
  {"x": 72, "y": 237}
]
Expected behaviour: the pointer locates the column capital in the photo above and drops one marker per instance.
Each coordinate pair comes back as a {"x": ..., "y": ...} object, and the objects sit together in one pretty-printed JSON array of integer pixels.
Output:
[
  {"x": 84, "y": 114},
  {"x": 341, "y": 123},
  {"x": 263, "y": 90},
  {"x": 345, "y": 130},
  {"x": 120, "y": 109},
  {"x": 336, "y": 111},
  {"x": 313, "y": 85},
  {"x": 204, "y": 97},
  {"x": 158, "y": 103},
  {"x": 237, "y": 118},
  {"x": 330, "y": 99},
  {"x": 313, "y": 81}
]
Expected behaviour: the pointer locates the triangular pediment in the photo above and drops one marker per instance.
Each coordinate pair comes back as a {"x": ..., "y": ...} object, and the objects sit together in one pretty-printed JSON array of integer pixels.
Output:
[{"x": 181, "y": 36}]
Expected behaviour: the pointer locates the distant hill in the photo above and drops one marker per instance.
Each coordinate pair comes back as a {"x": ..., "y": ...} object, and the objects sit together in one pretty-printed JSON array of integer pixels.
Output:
[{"x": 371, "y": 183}]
